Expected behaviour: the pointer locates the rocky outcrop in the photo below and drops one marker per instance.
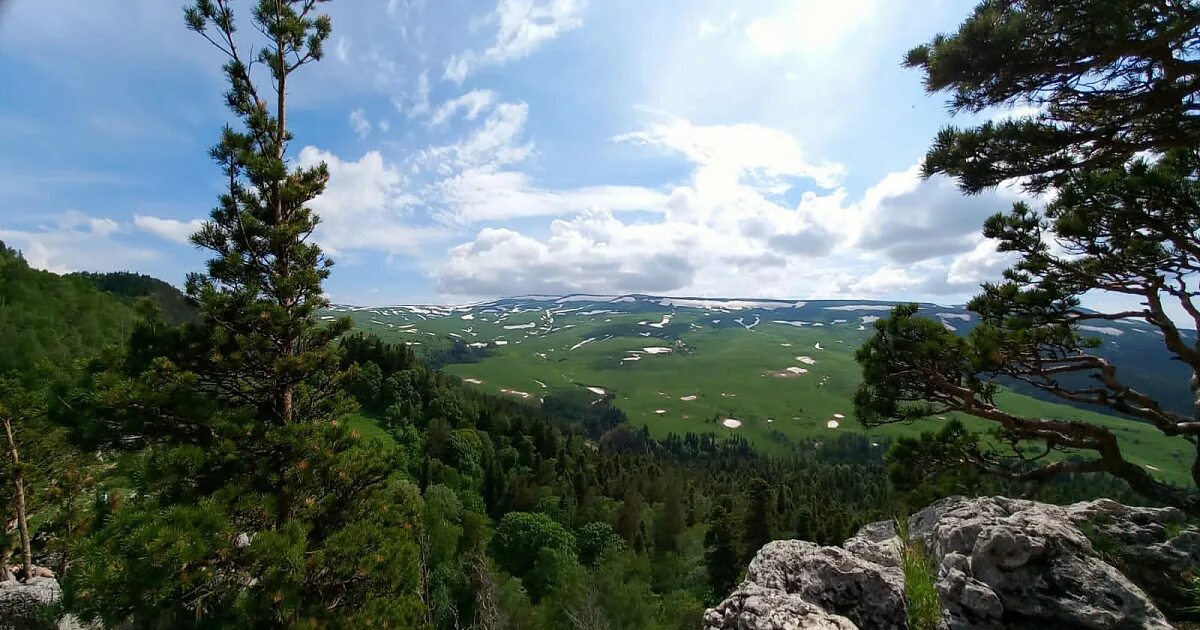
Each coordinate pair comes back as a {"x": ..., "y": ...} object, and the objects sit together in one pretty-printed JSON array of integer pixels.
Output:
[
  {"x": 999, "y": 563},
  {"x": 23, "y": 605}
]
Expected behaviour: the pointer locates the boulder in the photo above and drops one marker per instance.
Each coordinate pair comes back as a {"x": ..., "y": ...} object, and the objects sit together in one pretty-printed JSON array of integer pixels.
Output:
[
  {"x": 1010, "y": 563},
  {"x": 22, "y": 603},
  {"x": 830, "y": 580}
]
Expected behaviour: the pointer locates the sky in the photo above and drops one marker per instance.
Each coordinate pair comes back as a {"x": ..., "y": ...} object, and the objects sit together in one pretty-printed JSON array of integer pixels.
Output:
[{"x": 487, "y": 148}]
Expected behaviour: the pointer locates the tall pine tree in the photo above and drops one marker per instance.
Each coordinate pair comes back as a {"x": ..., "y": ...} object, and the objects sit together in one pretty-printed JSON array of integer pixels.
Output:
[{"x": 255, "y": 505}]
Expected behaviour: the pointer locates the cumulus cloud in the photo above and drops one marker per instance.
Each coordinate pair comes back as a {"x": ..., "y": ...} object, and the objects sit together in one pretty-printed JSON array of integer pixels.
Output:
[
  {"x": 169, "y": 229},
  {"x": 75, "y": 241},
  {"x": 907, "y": 219},
  {"x": 593, "y": 252},
  {"x": 365, "y": 205},
  {"x": 522, "y": 27}
]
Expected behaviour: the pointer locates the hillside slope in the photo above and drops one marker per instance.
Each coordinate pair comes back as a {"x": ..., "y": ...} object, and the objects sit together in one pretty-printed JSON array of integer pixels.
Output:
[
  {"x": 775, "y": 372},
  {"x": 48, "y": 317}
]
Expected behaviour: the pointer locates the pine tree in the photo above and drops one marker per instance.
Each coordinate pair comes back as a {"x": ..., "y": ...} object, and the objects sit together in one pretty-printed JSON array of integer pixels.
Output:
[
  {"x": 254, "y": 504},
  {"x": 1114, "y": 132},
  {"x": 759, "y": 523}
]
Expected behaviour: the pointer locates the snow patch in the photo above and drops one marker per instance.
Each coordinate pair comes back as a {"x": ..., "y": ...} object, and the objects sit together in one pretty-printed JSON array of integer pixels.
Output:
[
  {"x": 656, "y": 350},
  {"x": 731, "y": 423},
  {"x": 832, "y": 424},
  {"x": 1104, "y": 330},
  {"x": 859, "y": 307}
]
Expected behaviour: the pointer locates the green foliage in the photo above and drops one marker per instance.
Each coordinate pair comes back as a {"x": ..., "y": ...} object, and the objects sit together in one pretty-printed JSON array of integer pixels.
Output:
[
  {"x": 521, "y": 536},
  {"x": 52, "y": 319},
  {"x": 1115, "y": 135},
  {"x": 596, "y": 540},
  {"x": 132, "y": 287}
]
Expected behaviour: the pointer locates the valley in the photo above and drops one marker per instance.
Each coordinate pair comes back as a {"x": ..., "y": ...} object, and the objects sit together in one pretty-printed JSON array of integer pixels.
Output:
[{"x": 777, "y": 373}]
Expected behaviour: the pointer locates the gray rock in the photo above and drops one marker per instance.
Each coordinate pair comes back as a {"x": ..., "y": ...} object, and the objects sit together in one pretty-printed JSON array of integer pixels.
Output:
[
  {"x": 1010, "y": 563},
  {"x": 876, "y": 542},
  {"x": 21, "y": 603},
  {"x": 837, "y": 581},
  {"x": 1153, "y": 547},
  {"x": 753, "y": 607}
]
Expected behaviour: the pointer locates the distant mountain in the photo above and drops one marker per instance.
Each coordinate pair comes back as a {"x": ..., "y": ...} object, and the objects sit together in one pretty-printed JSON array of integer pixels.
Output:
[
  {"x": 131, "y": 287},
  {"x": 1136, "y": 348}
]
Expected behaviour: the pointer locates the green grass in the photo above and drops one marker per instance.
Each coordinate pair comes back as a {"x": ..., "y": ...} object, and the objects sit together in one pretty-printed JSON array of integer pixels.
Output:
[
  {"x": 920, "y": 593},
  {"x": 731, "y": 371}
]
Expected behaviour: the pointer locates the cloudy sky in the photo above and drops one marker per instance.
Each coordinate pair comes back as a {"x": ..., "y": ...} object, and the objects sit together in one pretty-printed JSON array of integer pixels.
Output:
[{"x": 482, "y": 148}]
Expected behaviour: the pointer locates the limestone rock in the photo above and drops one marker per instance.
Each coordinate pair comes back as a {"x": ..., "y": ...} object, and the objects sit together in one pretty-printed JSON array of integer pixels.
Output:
[
  {"x": 876, "y": 542},
  {"x": 1007, "y": 563},
  {"x": 21, "y": 603},
  {"x": 870, "y": 595},
  {"x": 753, "y": 607}
]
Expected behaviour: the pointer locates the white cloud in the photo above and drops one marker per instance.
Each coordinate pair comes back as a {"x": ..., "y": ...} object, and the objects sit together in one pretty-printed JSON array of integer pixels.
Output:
[
  {"x": 169, "y": 229},
  {"x": 360, "y": 124},
  {"x": 809, "y": 26},
  {"x": 473, "y": 103},
  {"x": 341, "y": 50},
  {"x": 76, "y": 242},
  {"x": 730, "y": 152},
  {"x": 418, "y": 105},
  {"x": 492, "y": 145},
  {"x": 522, "y": 26},
  {"x": 364, "y": 206}
]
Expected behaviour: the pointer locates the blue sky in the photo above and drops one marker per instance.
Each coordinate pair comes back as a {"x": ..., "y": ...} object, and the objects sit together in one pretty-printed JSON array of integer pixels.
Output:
[{"x": 483, "y": 148}]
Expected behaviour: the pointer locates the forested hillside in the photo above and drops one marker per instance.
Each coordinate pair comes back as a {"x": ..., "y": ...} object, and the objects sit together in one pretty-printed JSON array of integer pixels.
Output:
[
  {"x": 131, "y": 287},
  {"x": 45, "y": 317}
]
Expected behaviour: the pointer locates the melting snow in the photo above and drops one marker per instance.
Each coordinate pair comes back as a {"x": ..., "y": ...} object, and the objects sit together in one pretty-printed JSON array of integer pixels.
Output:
[
  {"x": 818, "y": 346},
  {"x": 731, "y": 423},
  {"x": 468, "y": 317},
  {"x": 859, "y": 307},
  {"x": 597, "y": 391},
  {"x": 473, "y": 381},
  {"x": 783, "y": 321},
  {"x": 1104, "y": 330},
  {"x": 832, "y": 424},
  {"x": 966, "y": 317},
  {"x": 687, "y": 398},
  {"x": 583, "y": 343},
  {"x": 660, "y": 411},
  {"x": 519, "y": 326},
  {"x": 505, "y": 390},
  {"x": 839, "y": 416},
  {"x": 797, "y": 370},
  {"x": 500, "y": 342}
]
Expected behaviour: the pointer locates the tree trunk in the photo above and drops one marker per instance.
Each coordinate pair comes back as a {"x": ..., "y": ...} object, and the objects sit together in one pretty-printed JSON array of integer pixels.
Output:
[{"x": 22, "y": 520}]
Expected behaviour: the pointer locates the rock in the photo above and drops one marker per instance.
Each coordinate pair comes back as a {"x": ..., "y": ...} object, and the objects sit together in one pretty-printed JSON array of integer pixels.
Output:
[
  {"x": 21, "y": 603},
  {"x": 1011, "y": 563},
  {"x": 832, "y": 579},
  {"x": 1153, "y": 547},
  {"x": 1000, "y": 564},
  {"x": 753, "y": 607},
  {"x": 876, "y": 542}
]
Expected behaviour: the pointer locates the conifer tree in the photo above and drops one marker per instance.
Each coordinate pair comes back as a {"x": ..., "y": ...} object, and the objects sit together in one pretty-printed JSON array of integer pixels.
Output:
[
  {"x": 254, "y": 504},
  {"x": 1114, "y": 91}
]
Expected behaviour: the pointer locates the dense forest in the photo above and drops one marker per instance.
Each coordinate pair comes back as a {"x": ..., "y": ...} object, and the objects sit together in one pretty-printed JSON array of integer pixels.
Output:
[{"x": 219, "y": 457}]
